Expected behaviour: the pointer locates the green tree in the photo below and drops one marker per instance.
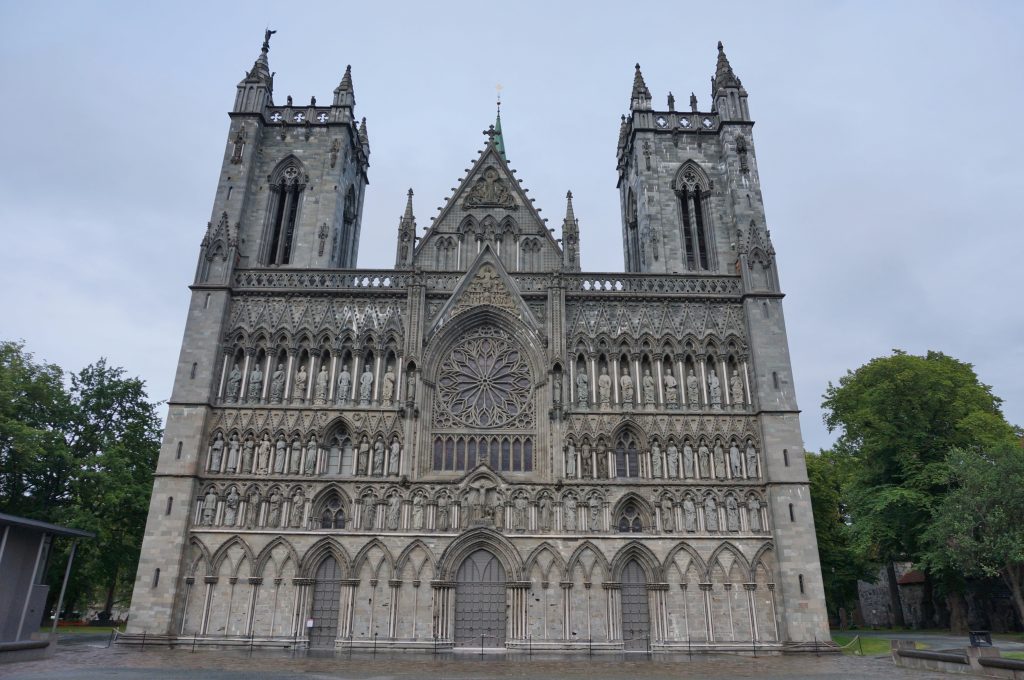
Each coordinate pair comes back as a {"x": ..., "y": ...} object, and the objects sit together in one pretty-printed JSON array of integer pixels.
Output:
[
  {"x": 977, "y": 528},
  {"x": 842, "y": 565},
  {"x": 899, "y": 416}
]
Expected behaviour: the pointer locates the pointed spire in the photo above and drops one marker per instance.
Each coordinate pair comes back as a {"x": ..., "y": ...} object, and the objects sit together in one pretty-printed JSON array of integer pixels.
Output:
[
  {"x": 498, "y": 139},
  {"x": 261, "y": 68},
  {"x": 724, "y": 76},
  {"x": 345, "y": 98},
  {"x": 641, "y": 96},
  {"x": 406, "y": 236},
  {"x": 364, "y": 138},
  {"x": 256, "y": 89},
  {"x": 570, "y": 236},
  {"x": 408, "y": 217},
  {"x": 346, "y": 80}
]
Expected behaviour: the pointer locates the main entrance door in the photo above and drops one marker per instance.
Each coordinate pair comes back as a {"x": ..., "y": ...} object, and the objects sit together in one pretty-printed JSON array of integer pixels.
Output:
[
  {"x": 636, "y": 618},
  {"x": 326, "y": 602},
  {"x": 480, "y": 601}
]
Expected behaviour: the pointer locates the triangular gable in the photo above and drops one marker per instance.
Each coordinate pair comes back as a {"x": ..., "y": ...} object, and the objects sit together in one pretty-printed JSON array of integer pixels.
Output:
[{"x": 486, "y": 283}]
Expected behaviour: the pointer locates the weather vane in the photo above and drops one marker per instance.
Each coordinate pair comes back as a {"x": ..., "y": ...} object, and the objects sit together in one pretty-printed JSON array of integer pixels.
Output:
[{"x": 498, "y": 89}]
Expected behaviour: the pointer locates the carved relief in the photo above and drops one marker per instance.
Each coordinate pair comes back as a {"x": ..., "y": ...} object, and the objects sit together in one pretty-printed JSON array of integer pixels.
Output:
[{"x": 489, "y": 191}]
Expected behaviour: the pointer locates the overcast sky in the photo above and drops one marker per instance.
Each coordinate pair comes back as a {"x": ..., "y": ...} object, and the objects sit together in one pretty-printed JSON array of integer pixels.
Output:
[{"x": 888, "y": 139}]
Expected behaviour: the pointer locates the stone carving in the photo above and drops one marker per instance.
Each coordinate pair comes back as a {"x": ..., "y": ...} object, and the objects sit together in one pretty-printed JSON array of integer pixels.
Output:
[
  {"x": 735, "y": 464},
  {"x": 311, "y": 451},
  {"x": 688, "y": 470},
  {"x": 656, "y": 460},
  {"x": 668, "y": 520},
  {"x": 263, "y": 466},
  {"x": 719, "y": 461},
  {"x": 489, "y": 191},
  {"x": 280, "y": 455},
  {"x": 442, "y": 513},
  {"x": 602, "y": 461},
  {"x": 736, "y": 390},
  {"x": 692, "y": 390},
  {"x": 671, "y": 388},
  {"x": 363, "y": 459},
  {"x": 365, "y": 386},
  {"x": 298, "y": 509},
  {"x": 751, "y": 460},
  {"x": 582, "y": 389},
  {"x": 320, "y": 386},
  {"x": 254, "y": 502},
  {"x": 595, "y": 514},
  {"x": 626, "y": 387},
  {"x": 570, "y": 461},
  {"x": 410, "y": 387},
  {"x": 417, "y": 511},
  {"x": 556, "y": 388},
  {"x": 277, "y": 385},
  {"x": 234, "y": 383},
  {"x": 649, "y": 388},
  {"x": 714, "y": 390},
  {"x": 344, "y": 385},
  {"x": 394, "y": 457},
  {"x": 732, "y": 514},
  {"x": 486, "y": 288},
  {"x": 604, "y": 388},
  {"x": 689, "y": 514},
  {"x": 387, "y": 387},
  {"x": 216, "y": 452},
  {"x": 519, "y": 513},
  {"x": 369, "y": 513},
  {"x": 231, "y": 507},
  {"x": 569, "y": 514},
  {"x": 210, "y": 507},
  {"x": 710, "y": 514},
  {"x": 672, "y": 454},
  {"x": 704, "y": 460},
  {"x": 378, "y": 458},
  {"x": 754, "y": 507},
  {"x": 544, "y": 514},
  {"x": 274, "y": 509},
  {"x": 394, "y": 512},
  {"x": 299, "y": 393},
  {"x": 295, "y": 460},
  {"x": 255, "y": 390},
  {"x": 587, "y": 463}
]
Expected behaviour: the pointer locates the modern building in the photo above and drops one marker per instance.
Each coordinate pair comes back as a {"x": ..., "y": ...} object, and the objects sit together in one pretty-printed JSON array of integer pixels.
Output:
[{"x": 484, "y": 444}]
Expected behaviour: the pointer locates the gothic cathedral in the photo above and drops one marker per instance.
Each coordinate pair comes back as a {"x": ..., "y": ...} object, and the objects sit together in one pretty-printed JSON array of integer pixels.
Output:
[{"x": 483, "y": 445}]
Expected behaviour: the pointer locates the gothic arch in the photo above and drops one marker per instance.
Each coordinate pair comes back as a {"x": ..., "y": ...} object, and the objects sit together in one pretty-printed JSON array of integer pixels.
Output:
[
  {"x": 691, "y": 174},
  {"x": 264, "y": 555},
  {"x": 695, "y": 559},
  {"x": 282, "y": 165},
  {"x": 203, "y": 556},
  {"x": 575, "y": 560},
  {"x": 635, "y": 550},
  {"x": 642, "y": 506},
  {"x": 221, "y": 554},
  {"x": 322, "y": 549},
  {"x": 363, "y": 556},
  {"x": 765, "y": 551},
  {"x": 410, "y": 551},
  {"x": 473, "y": 540},
  {"x": 726, "y": 546},
  {"x": 556, "y": 560},
  {"x": 456, "y": 328}
]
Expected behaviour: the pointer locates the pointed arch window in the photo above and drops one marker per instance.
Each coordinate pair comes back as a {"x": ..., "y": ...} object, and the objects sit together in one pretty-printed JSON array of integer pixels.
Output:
[
  {"x": 693, "y": 190},
  {"x": 333, "y": 515},
  {"x": 286, "y": 187},
  {"x": 627, "y": 457},
  {"x": 629, "y": 520}
]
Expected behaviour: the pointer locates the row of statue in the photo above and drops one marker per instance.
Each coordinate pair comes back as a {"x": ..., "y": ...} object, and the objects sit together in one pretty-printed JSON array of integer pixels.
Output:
[
  {"x": 629, "y": 396},
  {"x": 320, "y": 395},
  {"x": 585, "y": 463},
  {"x": 279, "y": 458}
]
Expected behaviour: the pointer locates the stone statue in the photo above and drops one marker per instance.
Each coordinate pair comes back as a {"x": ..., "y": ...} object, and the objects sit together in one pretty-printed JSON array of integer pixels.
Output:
[
  {"x": 668, "y": 520},
  {"x": 710, "y": 514},
  {"x": 626, "y": 387},
  {"x": 248, "y": 445},
  {"x": 751, "y": 460},
  {"x": 602, "y": 461},
  {"x": 569, "y": 514},
  {"x": 649, "y": 393},
  {"x": 210, "y": 507},
  {"x": 255, "y": 501},
  {"x": 754, "y": 507},
  {"x": 280, "y": 455},
  {"x": 264, "y": 456},
  {"x": 417, "y": 511},
  {"x": 671, "y": 388},
  {"x": 714, "y": 390},
  {"x": 688, "y": 460},
  {"x": 363, "y": 458},
  {"x": 387, "y": 387},
  {"x": 274, "y": 512},
  {"x": 365, "y": 386},
  {"x": 586, "y": 463},
  {"x": 719, "y": 461},
  {"x": 582, "y": 389},
  {"x": 732, "y": 514},
  {"x": 604, "y": 388},
  {"x": 735, "y": 464},
  {"x": 231, "y": 507},
  {"x": 369, "y": 513},
  {"x": 234, "y": 383},
  {"x": 344, "y": 385},
  {"x": 255, "y": 384},
  {"x": 736, "y": 390},
  {"x": 299, "y": 393},
  {"x": 298, "y": 509},
  {"x": 689, "y": 514},
  {"x": 656, "y": 460},
  {"x": 497, "y": 514},
  {"x": 216, "y": 452},
  {"x": 248, "y": 456},
  {"x": 378, "y": 458},
  {"x": 277, "y": 385},
  {"x": 570, "y": 461},
  {"x": 544, "y": 514},
  {"x": 394, "y": 512},
  {"x": 410, "y": 387},
  {"x": 442, "y": 513},
  {"x": 556, "y": 388},
  {"x": 311, "y": 450},
  {"x": 320, "y": 386},
  {"x": 295, "y": 462},
  {"x": 692, "y": 390},
  {"x": 595, "y": 514},
  {"x": 704, "y": 460},
  {"x": 673, "y": 460},
  {"x": 519, "y": 513},
  {"x": 395, "y": 457}
]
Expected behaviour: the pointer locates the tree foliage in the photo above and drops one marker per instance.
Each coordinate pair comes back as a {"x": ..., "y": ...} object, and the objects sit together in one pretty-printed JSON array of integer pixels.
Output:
[{"x": 79, "y": 450}]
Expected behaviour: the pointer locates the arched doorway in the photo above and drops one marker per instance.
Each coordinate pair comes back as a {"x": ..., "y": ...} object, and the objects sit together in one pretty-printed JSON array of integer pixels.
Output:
[
  {"x": 326, "y": 603},
  {"x": 480, "y": 601},
  {"x": 636, "y": 617}
]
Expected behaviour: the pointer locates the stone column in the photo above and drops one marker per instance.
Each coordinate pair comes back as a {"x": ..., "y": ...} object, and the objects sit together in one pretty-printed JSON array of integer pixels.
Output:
[
  {"x": 243, "y": 388},
  {"x": 332, "y": 377},
  {"x": 723, "y": 380},
  {"x": 225, "y": 370},
  {"x": 659, "y": 385},
  {"x": 750, "y": 588},
  {"x": 357, "y": 371},
  {"x": 348, "y": 601},
  {"x": 616, "y": 399},
  {"x": 189, "y": 580},
  {"x": 254, "y": 587},
  {"x": 613, "y": 593},
  {"x": 746, "y": 382},
  {"x": 732, "y": 601},
  {"x": 210, "y": 581},
  {"x": 593, "y": 398},
  {"x": 267, "y": 373},
  {"x": 396, "y": 585},
  {"x": 706, "y": 589},
  {"x": 289, "y": 376},
  {"x": 703, "y": 365},
  {"x": 681, "y": 380},
  {"x": 566, "y": 587}
]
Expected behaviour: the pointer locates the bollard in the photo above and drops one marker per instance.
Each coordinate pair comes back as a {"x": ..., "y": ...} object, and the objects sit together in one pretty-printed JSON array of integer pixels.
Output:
[
  {"x": 481, "y": 644},
  {"x": 251, "y": 633},
  {"x": 195, "y": 634},
  {"x": 143, "y": 641},
  {"x": 753, "y": 643},
  {"x": 375, "y": 643},
  {"x": 860, "y": 645},
  {"x": 590, "y": 646},
  {"x": 689, "y": 648}
]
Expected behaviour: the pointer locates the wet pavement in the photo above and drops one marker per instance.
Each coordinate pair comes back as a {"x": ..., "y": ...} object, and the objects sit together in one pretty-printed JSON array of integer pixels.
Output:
[{"x": 86, "y": 657}]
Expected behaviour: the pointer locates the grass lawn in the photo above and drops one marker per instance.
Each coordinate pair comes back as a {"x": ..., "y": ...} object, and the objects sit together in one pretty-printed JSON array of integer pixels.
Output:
[
  {"x": 82, "y": 630},
  {"x": 1013, "y": 655},
  {"x": 872, "y": 646}
]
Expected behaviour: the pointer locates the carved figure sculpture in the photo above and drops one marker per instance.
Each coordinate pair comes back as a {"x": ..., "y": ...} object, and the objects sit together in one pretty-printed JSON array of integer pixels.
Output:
[
  {"x": 544, "y": 514},
  {"x": 704, "y": 460},
  {"x": 570, "y": 461},
  {"x": 688, "y": 460},
  {"x": 248, "y": 457},
  {"x": 320, "y": 386},
  {"x": 602, "y": 461},
  {"x": 295, "y": 461},
  {"x": 595, "y": 514},
  {"x": 277, "y": 385},
  {"x": 586, "y": 463},
  {"x": 210, "y": 507},
  {"x": 255, "y": 390},
  {"x": 668, "y": 520},
  {"x": 649, "y": 388},
  {"x": 604, "y": 388},
  {"x": 569, "y": 514},
  {"x": 751, "y": 460},
  {"x": 394, "y": 457},
  {"x": 710, "y": 514},
  {"x": 216, "y": 452},
  {"x": 672, "y": 454},
  {"x": 253, "y": 511},
  {"x": 671, "y": 388},
  {"x": 719, "y": 461},
  {"x": 274, "y": 509},
  {"x": 365, "y": 386},
  {"x": 387, "y": 387},
  {"x": 231, "y": 507},
  {"x": 311, "y": 450},
  {"x": 692, "y": 390},
  {"x": 689, "y": 514},
  {"x": 378, "y": 458},
  {"x": 369, "y": 513},
  {"x": 234, "y": 383},
  {"x": 410, "y": 387},
  {"x": 519, "y": 513},
  {"x": 582, "y": 389},
  {"x": 556, "y": 388},
  {"x": 249, "y": 445},
  {"x": 626, "y": 387},
  {"x": 754, "y": 507},
  {"x": 299, "y": 393},
  {"x": 280, "y": 455},
  {"x": 417, "y": 512},
  {"x": 736, "y": 390},
  {"x": 264, "y": 456},
  {"x": 735, "y": 464},
  {"x": 363, "y": 458},
  {"x": 298, "y": 509},
  {"x": 732, "y": 514},
  {"x": 394, "y": 512},
  {"x": 344, "y": 385},
  {"x": 714, "y": 390},
  {"x": 442, "y": 513},
  {"x": 656, "y": 460}
]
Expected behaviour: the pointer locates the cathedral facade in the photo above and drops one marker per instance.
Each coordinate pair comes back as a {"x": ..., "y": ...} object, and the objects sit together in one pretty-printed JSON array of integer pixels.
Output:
[{"x": 483, "y": 445}]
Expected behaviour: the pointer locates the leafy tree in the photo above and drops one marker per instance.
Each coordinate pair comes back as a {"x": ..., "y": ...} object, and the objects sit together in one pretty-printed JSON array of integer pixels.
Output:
[
  {"x": 842, "y": 565},
  {"x": 977, "y": 528},
  {"x": 899, "y": 416}
]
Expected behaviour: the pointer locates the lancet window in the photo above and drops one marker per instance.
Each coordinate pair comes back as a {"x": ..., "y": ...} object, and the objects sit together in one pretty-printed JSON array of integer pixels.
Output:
[
  {"x": 286, "y": 188},
  {"x": 692, "y": 188}
]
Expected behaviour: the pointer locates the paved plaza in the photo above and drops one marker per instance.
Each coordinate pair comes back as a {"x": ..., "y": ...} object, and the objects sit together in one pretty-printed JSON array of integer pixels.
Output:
[{"x": 87, "y": 658}]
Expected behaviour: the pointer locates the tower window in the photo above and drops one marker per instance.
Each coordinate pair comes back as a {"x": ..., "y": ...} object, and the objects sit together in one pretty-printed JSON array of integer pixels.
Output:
[
  {"x": 156, "y": 577},
  {"x": 792, "y": 516},
  {"x": 785, "y": 457},
  {"x": 800, "y": 578},
  {"x": 178, "y": 453},
  {"x": 775, "y": 379},
  {"x": 192, "y": 374},
  {"x": 170, "y": 504},
  {"x": 285, "y": 197}
]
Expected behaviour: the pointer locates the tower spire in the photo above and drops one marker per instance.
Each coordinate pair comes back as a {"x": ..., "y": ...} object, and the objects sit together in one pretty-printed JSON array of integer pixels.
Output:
[
  {"x": 406, "y": 235},
  {"x": 640, "y": 99},
  {"x": 498, "y": 138},
  {"x": 256, "y": 89},
  {"x": 728, "y": 98},
  {"x": 570, "y": 237},
  {"x": 345, "y": 97},
  {"x": 724, "y": 75}
]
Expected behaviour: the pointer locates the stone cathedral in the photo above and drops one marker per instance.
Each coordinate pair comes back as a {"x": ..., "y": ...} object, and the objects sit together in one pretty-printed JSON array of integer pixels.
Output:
[{"x": 484, "y": 445}]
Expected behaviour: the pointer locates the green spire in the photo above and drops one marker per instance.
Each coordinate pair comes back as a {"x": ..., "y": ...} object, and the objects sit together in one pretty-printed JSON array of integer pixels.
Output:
[{"x": 499, "y": 140}]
